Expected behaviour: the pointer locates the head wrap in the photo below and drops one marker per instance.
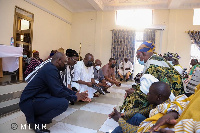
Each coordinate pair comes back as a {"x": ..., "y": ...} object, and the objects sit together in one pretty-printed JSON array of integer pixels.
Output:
[
  {"x": 146, "y": 47},
  {"x": 175, "y": 56},
  {"x": 165, "y": 55},
  {"x": 168, "y": 54},
  {"x": 71, "y": 52},
  {"x": 34, "y": 51},
  {"x": 195, "y": 60}
]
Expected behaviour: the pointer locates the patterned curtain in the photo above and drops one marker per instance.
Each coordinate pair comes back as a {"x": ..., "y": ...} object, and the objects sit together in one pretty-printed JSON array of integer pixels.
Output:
[
  {"x": 123, "y": 45},
  {"x": 149, "y": 35},
  {"x": 195, "y": 37}
]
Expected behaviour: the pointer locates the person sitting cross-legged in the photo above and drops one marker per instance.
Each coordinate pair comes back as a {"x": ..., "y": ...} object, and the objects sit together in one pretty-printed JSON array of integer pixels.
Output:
[
  {"x": 125, "y": 69},
  {"x": 83, "y": 79},
  {"x": 109, "y": 72},
  {"x": 129, "y": 121}
]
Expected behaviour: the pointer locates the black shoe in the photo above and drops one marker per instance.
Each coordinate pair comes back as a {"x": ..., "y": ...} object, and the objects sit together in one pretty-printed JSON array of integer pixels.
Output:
[
  {"x": 121, "y": 79},
  {"x": 42, "y": 131},
  {"x": 72, "y": 102},
  {"x": 126, "y": 80},
  {"x": 106, "y": 91},
  {"x": 32, "y": 126}
]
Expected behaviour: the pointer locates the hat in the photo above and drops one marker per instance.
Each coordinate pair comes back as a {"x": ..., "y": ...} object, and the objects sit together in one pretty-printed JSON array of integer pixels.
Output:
[
  {"x": 146, "y": 47},
  {"x": 71, "y": 52}
]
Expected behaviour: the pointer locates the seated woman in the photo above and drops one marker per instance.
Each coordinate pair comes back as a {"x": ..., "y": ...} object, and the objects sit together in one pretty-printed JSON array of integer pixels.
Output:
[
  {"x": 174, "y": 61},
  {"x": 156, "y": 68}
]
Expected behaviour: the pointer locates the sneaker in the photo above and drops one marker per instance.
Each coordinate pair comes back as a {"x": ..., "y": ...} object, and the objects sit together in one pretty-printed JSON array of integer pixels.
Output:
[{"x": 72, "y": 102}]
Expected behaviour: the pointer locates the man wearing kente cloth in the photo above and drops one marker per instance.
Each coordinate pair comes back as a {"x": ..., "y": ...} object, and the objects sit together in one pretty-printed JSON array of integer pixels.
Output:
[{"x": 156, "y": 68}]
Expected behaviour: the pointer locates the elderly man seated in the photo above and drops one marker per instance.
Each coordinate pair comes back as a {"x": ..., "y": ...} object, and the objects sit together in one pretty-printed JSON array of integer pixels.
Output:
[
  {"x": 129, "y": 121},
  {"x": 83, "y": 79},
  {"x": 125, "y": 69}
]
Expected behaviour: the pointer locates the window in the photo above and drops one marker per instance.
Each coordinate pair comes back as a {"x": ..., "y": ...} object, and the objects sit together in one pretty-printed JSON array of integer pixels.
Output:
[
  {"x": 24, "y": 24},
  {"x": 196, "y": 20},
  {"x": 195, "y": 52},
  {"x": 140, "y": 18}
]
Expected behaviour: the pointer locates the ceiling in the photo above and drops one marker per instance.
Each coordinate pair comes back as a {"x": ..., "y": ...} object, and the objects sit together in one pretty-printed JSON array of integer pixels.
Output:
[{"x": 109, "y": 5}]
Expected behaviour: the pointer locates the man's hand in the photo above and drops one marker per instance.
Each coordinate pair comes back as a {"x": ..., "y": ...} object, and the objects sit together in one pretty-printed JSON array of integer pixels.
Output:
[
  {"x": 118, "y": 84},
  {"x": 129, "y": 92},
  {"x": 166, "y": 119},
  {"x": 115, "y": 115},
  {"x": 89, "y": 84},
  {"x": 87, "y": 100},
  {"x": 82, "y": 96},
  {"x": 100, "y": 84}
]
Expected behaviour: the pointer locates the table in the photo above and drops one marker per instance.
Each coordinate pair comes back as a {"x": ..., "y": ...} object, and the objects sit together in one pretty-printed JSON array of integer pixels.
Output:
[{"x": 11, "y": 59}]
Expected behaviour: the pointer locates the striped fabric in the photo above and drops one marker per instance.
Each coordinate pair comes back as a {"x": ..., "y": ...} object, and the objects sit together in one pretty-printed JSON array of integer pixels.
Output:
[
  {"x": 187, "y": 126},
  {"x": 193, "y": 82},
  {"x": 179, "y": 104}
]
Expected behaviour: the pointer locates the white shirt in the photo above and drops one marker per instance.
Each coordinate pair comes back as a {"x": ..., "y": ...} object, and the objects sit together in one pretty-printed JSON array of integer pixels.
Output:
[
  {"x": 125, "y": 65},
  {"x": 81, "y": 72},
  {"x": 179, "y": 69}
]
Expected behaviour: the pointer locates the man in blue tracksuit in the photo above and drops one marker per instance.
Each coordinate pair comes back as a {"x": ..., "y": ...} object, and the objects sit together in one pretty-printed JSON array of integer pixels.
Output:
[{"x": 45, "y": 96}]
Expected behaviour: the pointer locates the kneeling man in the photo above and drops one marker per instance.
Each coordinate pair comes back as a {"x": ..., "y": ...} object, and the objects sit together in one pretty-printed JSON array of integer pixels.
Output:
[{"x": 46, "y": 96}]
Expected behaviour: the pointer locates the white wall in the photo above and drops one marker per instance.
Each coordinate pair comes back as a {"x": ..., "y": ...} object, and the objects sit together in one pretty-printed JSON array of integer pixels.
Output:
[
  {"x": 92, "y": 29},
  {"x": 49, "y": 32}
]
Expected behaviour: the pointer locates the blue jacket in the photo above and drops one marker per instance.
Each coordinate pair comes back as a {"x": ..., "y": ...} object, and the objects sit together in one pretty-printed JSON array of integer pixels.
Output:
[{"x": 47, "y": 83}]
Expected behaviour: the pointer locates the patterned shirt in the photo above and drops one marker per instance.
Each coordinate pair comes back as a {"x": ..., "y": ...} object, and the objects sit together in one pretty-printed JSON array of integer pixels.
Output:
[
  {"x": 128, "y": 128},
  {"x": 32, "y": 65},
  {"x": 160, "y": 69}
]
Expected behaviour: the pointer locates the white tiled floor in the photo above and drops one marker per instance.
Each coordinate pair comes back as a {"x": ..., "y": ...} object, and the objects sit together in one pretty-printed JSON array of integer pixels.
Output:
[{"x": 79, "y": 118}]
